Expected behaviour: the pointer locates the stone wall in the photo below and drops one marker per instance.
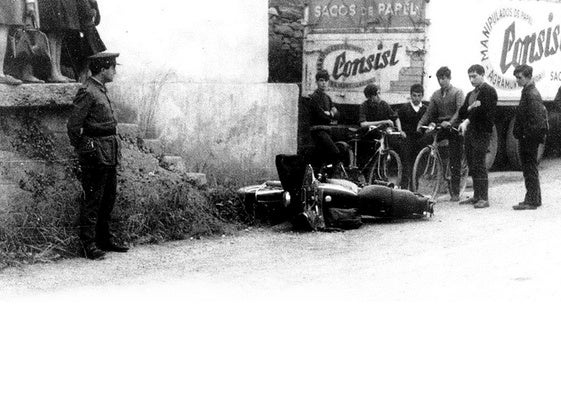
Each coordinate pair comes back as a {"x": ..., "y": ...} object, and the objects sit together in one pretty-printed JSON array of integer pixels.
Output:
[
  {"x": 285, "y": 40},
  {"x": 41, "y": 107}
]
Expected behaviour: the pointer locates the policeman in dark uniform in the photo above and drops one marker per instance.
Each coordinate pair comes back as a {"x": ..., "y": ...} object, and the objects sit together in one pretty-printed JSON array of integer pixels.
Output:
[{"x": 92, "y": 129}]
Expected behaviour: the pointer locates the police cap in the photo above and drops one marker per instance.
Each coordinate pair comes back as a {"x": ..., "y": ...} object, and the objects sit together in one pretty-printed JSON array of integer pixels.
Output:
[{"x": 104, "y": 59}]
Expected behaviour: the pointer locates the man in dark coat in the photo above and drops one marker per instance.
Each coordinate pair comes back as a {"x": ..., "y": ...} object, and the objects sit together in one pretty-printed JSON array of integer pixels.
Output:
[
  {"x": 478, "y": 115},
  {"x": 92, "y": 129},
  {"x": 409, "y": 115},
  {"x": 530, "y": 127}
]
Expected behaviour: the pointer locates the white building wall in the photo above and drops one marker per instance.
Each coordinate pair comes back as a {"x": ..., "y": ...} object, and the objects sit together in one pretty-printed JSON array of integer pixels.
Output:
[{"x": 198, "y": 72}]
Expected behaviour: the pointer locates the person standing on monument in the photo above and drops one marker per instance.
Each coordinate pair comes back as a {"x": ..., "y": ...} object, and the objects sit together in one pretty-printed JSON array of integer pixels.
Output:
[
  {"x": 79, "y": 45},
  {"x": 12, "y": 13},
  {"x": 57, "y": 18}
]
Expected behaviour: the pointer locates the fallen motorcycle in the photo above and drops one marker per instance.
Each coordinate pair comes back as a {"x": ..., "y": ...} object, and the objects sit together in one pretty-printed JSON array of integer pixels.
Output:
[{"x": 317, "y": 204}]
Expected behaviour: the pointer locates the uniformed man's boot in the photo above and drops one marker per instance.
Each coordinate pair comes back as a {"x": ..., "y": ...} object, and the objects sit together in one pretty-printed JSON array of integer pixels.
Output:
[
  {"x": 114, "y": 246},
  {"x": 93, "y": 252}
]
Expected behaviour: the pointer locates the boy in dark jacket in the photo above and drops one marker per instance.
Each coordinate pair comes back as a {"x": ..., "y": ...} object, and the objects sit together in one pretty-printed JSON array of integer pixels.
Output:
[
  {"x": 478, "y": 115},
  {"x": 324, "y": 113},
  {"x": 530, "y": 128},
  {"x": 410, "y": 114}
]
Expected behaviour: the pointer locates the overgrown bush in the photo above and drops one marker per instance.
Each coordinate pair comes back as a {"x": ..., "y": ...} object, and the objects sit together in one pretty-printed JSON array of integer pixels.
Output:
[
  {"x": 160, "y": 208},
  {"x": 153, "y": 205},
  {"x": 41, "y": 224}
]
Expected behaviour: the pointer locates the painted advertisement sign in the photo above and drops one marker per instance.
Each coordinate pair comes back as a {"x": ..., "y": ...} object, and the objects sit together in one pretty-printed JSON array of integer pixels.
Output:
[
  {"x": 521, "y": 34},
  {"x": 354, "y": 64},
  {"x": 346, "y": 15}
]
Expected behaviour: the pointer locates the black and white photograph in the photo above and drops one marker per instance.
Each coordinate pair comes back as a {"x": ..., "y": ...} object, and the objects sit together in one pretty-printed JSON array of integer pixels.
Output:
[{"x": 280, "y": 196}]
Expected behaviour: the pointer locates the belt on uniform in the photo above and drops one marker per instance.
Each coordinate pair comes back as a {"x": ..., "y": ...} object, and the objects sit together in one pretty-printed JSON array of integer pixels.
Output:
[{"x": 96, "y": 132}]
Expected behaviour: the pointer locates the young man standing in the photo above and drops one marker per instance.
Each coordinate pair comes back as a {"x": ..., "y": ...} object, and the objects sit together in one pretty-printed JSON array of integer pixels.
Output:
[
  {"x": 409, "y": 115},
  {"x": 92, "y": 129},
  {"x": 443, "y": 110},
  {"x": 530, "y": 128},
  {"x": 478, "y": 115}
]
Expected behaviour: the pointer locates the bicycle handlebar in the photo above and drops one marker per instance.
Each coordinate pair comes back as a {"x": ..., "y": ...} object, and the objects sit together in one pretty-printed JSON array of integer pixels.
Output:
[
  {"x": 384, "y": 129},
  {"x": 438, "y": 128}
]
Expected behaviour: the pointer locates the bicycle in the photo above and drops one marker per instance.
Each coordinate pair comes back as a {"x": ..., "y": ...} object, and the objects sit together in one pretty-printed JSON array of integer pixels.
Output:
[
  {"x": 430, "y": 173},
  {"x": 385, "y": 164}
]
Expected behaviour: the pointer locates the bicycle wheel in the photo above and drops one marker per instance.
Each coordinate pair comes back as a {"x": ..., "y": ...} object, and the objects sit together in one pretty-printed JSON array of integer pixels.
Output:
[
  {"x": 427, "y": 173},
  {"x": 386, "y": 167}
]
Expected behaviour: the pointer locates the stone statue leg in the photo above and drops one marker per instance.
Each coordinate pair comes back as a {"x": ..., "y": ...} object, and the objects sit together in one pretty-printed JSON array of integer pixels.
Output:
[
  {"x": 27, "y": 75},
  {"x": 55, "y": 48},
  {"x": 84, "y": 75},
  {"x": 5, "y": 79}
]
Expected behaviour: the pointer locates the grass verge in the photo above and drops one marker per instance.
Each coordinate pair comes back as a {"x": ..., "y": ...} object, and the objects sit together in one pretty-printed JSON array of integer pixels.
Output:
[{"x": 154, "y": 205}]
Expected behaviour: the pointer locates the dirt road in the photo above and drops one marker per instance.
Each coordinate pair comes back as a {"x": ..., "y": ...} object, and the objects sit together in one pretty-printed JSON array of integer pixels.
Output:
[
  {"x": 459, "y": 253},
  {"x": 464, "y": 301}
]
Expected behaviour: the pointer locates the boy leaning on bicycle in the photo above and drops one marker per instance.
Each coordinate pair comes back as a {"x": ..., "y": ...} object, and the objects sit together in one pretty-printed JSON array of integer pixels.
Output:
[
  {"x": 443, "y": 109},
  {"x": 377, "y": 112}
]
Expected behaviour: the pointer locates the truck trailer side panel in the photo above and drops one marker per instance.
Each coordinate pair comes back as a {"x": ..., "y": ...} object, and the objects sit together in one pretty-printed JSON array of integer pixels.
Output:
[{"x": 499, "y": 35}]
